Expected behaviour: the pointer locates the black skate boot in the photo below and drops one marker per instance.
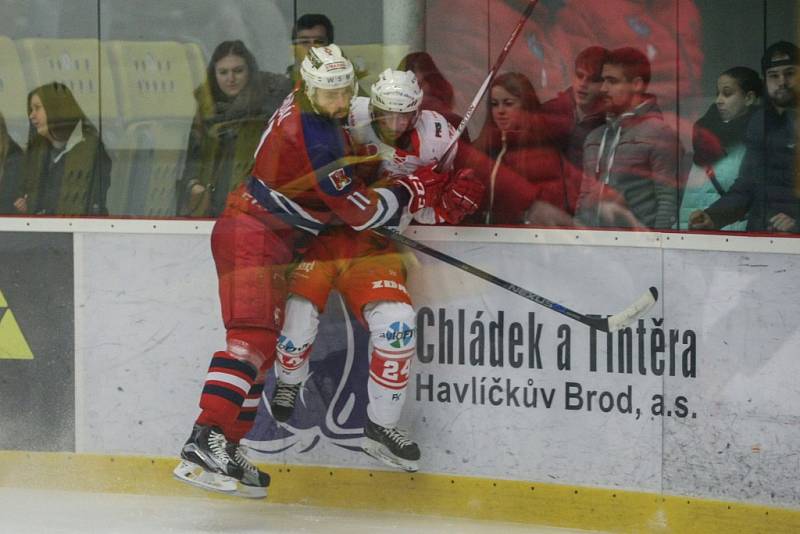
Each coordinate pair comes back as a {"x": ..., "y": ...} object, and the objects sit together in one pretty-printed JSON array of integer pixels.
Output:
[
  {"x": 391, "y": 446},
  {"x": 206, "y": 463},
  {"x": 283, "y": 400},
  {"x": 255, "y": 482}
]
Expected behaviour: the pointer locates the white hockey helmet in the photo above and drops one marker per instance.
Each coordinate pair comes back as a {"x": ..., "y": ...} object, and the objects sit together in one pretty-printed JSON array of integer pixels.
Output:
[
  {"x": 396, "y": 91},
  {"x": 326, "y": 68}
]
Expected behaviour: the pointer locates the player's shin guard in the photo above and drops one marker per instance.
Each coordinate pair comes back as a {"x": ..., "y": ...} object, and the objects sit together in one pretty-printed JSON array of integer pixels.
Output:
[
  {"x": 296, "y": 339},
  {"x": 293, "y": 351},
  {"x": 392, "y": 332},
  {"x": 393, "y": 337}
]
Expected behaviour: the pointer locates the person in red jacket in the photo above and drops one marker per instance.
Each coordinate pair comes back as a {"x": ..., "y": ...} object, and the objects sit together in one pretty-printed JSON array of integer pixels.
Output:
[
  {"x": 522, "y": 168},
  {"x": 573, "y": 114},
  {"x": 303, "y": 180}
]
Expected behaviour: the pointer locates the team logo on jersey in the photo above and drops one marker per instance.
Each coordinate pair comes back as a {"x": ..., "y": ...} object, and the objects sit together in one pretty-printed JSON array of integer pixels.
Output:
[
  {"x": 306, "y": 266},
  {"x": 399, "y": 335},
  {"x": 390, "y": 284},
  {"x": 339, "y": 179}
]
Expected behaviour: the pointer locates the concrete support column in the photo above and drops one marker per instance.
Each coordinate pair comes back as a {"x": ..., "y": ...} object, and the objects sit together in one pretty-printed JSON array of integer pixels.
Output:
[{"x": 403, "y": 29}]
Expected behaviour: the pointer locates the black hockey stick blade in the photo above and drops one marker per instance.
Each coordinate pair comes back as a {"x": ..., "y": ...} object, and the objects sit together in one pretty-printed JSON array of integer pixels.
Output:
[{"x": 606, "y": 324}]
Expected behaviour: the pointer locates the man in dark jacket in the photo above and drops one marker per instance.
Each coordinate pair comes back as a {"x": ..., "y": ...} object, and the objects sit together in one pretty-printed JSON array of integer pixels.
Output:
[
  {"x": 632, "y": 164},
  {"x": 764, "y": 191},
  {"x": 311, "y": 29}
]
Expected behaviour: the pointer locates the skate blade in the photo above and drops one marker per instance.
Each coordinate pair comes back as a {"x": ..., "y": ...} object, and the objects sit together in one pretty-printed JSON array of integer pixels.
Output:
[
  {"x": 250, "y": 492},
  {"x": 195, "y": 475},
  {"x": 380, "y": 452}
]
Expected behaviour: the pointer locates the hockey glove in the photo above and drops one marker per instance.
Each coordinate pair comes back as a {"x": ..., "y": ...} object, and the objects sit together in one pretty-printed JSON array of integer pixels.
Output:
[
  {"x": 425, "y": 186},
  {"x": 462, "y": 196}
]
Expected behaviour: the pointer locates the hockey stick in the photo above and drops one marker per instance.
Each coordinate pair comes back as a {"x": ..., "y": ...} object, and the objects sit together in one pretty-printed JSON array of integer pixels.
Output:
[
  {"x": 492, "y": 73},
  {"x": 607, "y": 324}
]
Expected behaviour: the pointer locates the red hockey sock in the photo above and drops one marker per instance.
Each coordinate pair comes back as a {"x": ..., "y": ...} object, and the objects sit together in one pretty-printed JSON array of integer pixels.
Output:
[
  {"x": 247, "y": 414},
  {"x": 228, "y": 382}
]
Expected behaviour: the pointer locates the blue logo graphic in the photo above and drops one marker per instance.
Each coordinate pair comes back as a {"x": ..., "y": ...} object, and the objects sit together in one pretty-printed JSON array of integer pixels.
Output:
[
  {"x": 399, "y": 335},
  {"x": 332, "y": 405}
]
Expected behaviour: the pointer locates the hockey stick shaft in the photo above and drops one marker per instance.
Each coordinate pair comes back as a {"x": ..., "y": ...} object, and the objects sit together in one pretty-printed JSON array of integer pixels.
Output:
[
  {"x": 606, "y": 324},
  {"x": 492, "y": 73}
]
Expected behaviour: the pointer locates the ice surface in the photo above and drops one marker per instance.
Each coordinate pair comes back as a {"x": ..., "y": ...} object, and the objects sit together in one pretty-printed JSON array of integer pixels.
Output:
[{"x": 27, "y": 511}]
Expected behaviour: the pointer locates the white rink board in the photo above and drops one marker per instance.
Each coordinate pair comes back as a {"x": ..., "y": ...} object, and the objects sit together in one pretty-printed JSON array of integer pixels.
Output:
[
  {"x": 147, "y": 322},
  {"x": 533, "y": 443}
]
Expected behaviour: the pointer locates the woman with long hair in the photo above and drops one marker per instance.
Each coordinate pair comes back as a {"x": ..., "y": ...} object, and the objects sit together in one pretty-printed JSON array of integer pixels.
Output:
[
  {"x": 524, "y": 175},
  {"x": 67, "y": 170},
  {"x": 233, "y": 105}
]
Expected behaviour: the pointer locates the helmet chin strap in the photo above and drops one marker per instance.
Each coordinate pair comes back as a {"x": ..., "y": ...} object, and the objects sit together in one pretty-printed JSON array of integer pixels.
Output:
[{"x": 309, "y": 92}]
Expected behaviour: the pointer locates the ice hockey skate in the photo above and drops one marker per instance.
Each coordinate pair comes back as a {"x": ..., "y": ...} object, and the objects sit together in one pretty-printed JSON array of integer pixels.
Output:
[
  {"x": 283, "y": 400},
  {"x": 206, "y": 463},
  {"x": 391, "y": 446},
  {"x": 254, "y": 482}
]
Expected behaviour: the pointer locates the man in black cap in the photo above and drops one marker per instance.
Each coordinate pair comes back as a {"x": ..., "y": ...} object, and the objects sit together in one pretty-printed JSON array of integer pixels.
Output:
[{"x": 764, "y": 190}]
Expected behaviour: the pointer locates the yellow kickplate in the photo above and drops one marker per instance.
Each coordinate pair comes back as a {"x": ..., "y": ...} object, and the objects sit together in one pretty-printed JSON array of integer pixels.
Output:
[{"x": 574, "y": 507}]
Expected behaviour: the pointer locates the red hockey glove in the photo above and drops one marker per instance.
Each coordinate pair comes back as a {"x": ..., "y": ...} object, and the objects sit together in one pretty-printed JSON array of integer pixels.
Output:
[
  {"x": 425, "y": 186},
  {"x": 461, "y": 197}
]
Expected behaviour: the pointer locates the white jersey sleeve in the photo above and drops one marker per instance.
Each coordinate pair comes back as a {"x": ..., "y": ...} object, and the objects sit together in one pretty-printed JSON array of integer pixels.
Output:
[{"x": 431, "y": 136}]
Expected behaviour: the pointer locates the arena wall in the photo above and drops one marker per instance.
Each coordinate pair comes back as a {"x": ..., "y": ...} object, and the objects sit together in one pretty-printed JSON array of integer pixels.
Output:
[{"x": 689, "y": 416}]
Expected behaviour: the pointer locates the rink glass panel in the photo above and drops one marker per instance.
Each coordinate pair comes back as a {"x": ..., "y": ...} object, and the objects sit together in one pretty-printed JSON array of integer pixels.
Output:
[{"x": 133, "y": 68}]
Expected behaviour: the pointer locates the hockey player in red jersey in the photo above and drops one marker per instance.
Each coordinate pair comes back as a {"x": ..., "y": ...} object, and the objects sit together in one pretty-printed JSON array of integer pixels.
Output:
[
  {"x": 368, "y": 270},
  {"x": 303, "y": 180}
]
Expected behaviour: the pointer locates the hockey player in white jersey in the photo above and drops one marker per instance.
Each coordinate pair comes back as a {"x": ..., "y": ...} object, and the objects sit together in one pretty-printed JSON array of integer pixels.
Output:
[{"x": 368, "y": 270}]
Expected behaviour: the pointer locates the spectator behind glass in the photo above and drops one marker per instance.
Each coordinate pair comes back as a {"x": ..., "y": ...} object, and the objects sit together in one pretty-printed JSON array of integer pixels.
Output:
[
  {"x": 10, "y": 170},
  {"x": 523, "y": 171},
  {"x": 437, "y": 92},
  {"x": 66, "y": 169},
  {"x": 632, "y": 164},
  {"x": 718, "y": 142},
  {"x": 570, "y": 116},
  {"x": 764, "y": 190},
  {"x": 311, "y": 29},
  {"x": 233, "y": 106}
]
